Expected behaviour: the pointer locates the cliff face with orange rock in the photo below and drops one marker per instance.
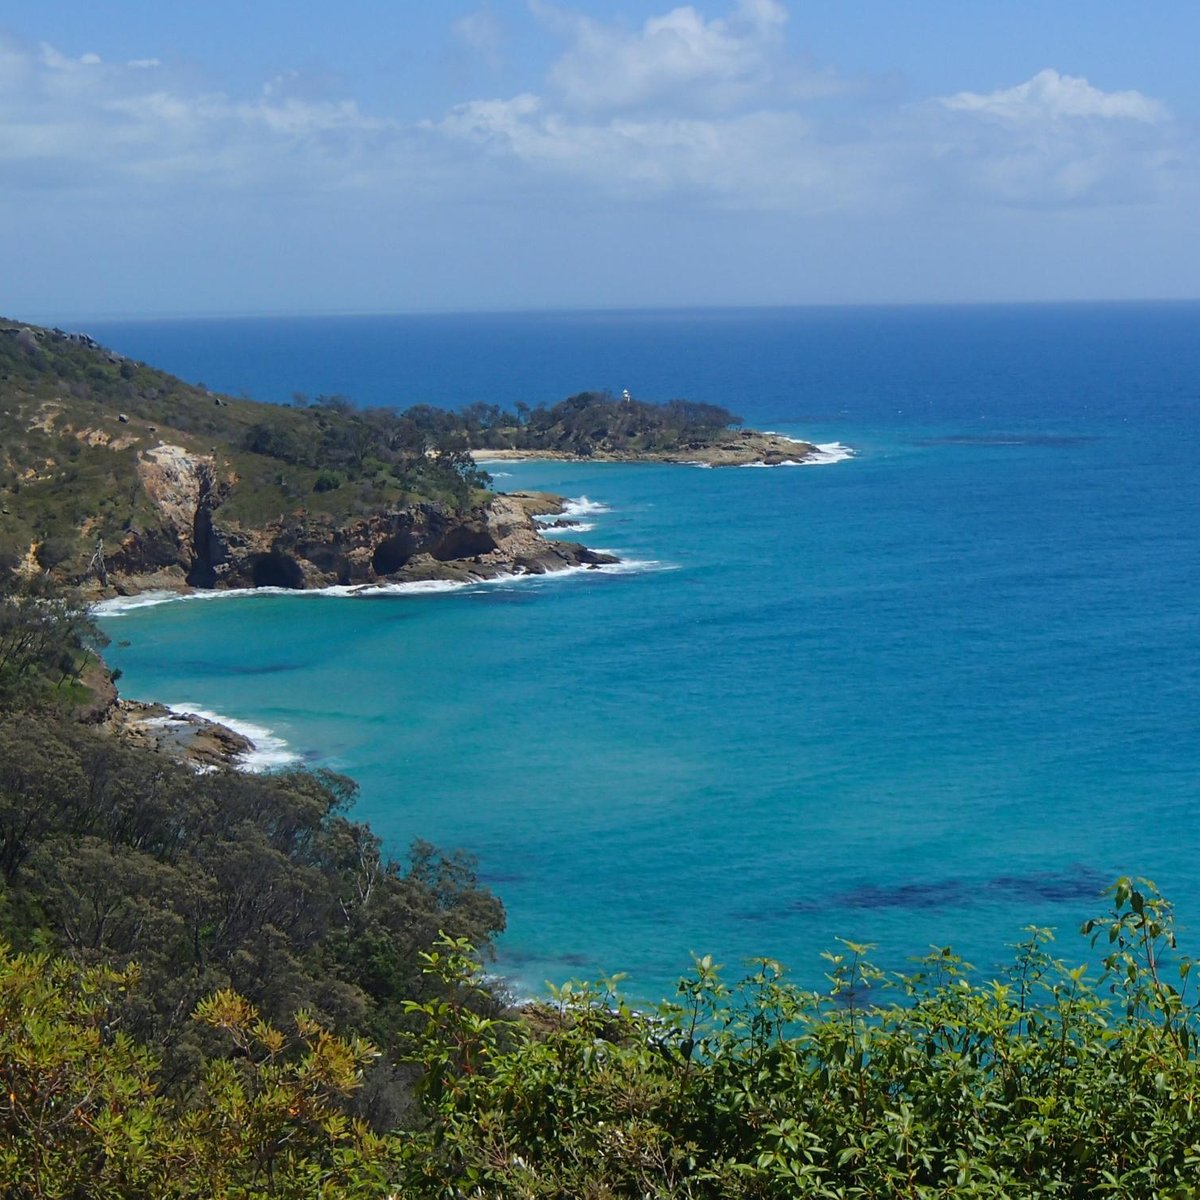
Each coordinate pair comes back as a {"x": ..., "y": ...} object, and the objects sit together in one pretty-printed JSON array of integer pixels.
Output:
[
  {"x": 120, "y": 478},
  {"x": 194, "y": 545}
]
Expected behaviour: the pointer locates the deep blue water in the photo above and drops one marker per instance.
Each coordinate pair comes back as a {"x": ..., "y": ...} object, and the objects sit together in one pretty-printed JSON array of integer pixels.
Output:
[{"x": 933, "y": 694}]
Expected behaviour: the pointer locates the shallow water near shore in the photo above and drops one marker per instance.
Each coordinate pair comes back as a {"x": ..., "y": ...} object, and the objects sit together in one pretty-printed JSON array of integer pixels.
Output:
[{"x": 935, "y": 693}]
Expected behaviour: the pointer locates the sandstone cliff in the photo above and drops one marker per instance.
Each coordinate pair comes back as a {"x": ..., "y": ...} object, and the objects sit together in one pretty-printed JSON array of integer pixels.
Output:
[{"x": 192, "y": 543}]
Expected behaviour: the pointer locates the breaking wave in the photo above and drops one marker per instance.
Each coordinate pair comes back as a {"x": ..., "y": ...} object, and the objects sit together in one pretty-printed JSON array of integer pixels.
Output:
[
  {"x": 269, "y": 751},
  {"x": 827, "y": 452}
]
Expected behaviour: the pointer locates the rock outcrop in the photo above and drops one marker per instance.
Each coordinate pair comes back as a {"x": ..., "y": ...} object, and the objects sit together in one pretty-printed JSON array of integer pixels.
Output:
[
  {"x": 728, "y": 448},
  {"x": 201, "y": 743},
  {"x": 191, "y": 544}
]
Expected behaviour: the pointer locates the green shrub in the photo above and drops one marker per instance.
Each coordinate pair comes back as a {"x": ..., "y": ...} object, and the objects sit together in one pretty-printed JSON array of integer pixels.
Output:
[
  {"x": 81, "y": 1114},
  {"x": 1044, "y": 1081}
]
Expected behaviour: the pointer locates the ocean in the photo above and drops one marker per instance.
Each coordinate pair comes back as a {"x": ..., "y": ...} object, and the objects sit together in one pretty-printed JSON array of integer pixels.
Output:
[{"x": 930, "y": 694}]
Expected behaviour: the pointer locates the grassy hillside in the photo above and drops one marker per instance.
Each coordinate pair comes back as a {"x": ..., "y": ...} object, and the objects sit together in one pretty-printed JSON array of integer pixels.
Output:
[{"x": 74, "y": 419}]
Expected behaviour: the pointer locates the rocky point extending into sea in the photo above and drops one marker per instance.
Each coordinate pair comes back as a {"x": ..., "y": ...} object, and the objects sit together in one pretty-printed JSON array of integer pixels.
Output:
[{"x": 725, "y": 448}]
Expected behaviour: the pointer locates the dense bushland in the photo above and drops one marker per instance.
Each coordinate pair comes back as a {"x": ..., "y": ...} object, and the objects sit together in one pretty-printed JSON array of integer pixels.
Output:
[
  {"x": 111, "y": 854},
  {"x": 1044, "y": 1081},
  {"x": 74, "y": 418},
  {"x": 587, "y": 423},
  {"x": 218, "y": 985}
]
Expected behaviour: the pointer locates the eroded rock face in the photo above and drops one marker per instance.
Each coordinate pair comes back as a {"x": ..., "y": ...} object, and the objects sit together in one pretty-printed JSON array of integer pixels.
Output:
[
  {"x": 425, "y": 541},
  {"x": 177, "y": 482},
  {"x": 276, "y": 569}
]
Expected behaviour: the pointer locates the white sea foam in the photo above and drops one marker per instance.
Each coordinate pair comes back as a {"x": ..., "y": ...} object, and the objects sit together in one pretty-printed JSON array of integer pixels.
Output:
[
  {"x": 420, "y": 587},
  {"x": 269, "y": 750},
  {"x": 828, "y": 452},
  {"x": 574, "y": 527},
  {"x": 626, "y": 566},
  {"x": 581, "y": 506},
  {"x": 119, "y": 605}
]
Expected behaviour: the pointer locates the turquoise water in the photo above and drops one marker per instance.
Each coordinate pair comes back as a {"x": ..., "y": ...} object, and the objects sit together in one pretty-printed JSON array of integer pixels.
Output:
[{"x": 934, "y": 693}]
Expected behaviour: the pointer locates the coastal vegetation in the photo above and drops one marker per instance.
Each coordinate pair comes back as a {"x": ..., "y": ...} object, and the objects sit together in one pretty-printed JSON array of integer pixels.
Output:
[
  {"x": 1042, "y": 1082},
  {"x": 208, "y": 881},
  {"x": 592, "y": 423},
  {"x": 77, "y": 420},
  {"x": 217, "y": 984}
]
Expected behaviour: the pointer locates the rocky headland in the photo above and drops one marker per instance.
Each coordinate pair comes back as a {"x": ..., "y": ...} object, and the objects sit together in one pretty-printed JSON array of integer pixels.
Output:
[
  {"x": 192, "y": 545},
  {"x": 728, "y": 448},
  {"x": 118, "y": 478}
]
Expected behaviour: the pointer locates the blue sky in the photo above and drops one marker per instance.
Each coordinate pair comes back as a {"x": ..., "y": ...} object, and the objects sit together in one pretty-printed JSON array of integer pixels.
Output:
[{"x": 371, "y": 157}]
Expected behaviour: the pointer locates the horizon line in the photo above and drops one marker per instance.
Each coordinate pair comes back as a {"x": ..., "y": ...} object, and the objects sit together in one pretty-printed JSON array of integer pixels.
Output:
[{"x": 600, "y": 310}]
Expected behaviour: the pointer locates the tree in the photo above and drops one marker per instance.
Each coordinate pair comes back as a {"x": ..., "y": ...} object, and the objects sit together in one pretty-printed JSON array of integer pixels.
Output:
[
  {"x": 46, "y": 636},
  {"x": 81, "y": 1114}
]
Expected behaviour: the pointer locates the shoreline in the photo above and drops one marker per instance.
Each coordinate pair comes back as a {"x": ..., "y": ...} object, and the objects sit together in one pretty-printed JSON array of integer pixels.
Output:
[
  {"x": 208, "y": 740},
  {"x": 122, "y": 603},
  {"x": 501, "y": 539},
  {"x": 204, "y": 740},
  {"x": 746, "y": 448}
]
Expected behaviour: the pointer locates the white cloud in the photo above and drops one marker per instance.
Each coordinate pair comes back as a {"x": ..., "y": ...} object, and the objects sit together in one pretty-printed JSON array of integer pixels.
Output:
[
  {"x": 692, "y": 142},
  {"x": 1056, "y": 141},
  {"x": 708, "y": 111},
  {"x": 1049, "y": 96},
  {"x": 482, "y": 34},
  {"x": 683, "y": 110},
  {"x": 677, "y": 61},
  {"x": 758, "y": 160},
  {"x": 88, "y": 125}
]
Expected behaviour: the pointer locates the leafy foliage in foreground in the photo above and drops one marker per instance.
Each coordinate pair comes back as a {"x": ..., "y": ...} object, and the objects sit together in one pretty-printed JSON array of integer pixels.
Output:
[
  {"x": 81, "y": 1115},
  {"x": 112, "y": 854},
  {"x": 1042, "y": 1083}
]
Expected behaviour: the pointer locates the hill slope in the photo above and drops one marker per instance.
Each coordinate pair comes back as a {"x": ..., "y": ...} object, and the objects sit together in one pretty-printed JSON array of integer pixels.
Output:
[{"x": 119, "y": 476}]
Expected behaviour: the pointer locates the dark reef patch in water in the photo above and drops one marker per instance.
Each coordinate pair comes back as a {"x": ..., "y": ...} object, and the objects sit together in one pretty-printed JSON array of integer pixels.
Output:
[
  {"x": 1054, "y": 441},
  {"x": 199, "y": 666},
  {"x": 500, "y": 877},
  {"x": 1053, "y": 887},
  {"x": 1078, "y": 883}
]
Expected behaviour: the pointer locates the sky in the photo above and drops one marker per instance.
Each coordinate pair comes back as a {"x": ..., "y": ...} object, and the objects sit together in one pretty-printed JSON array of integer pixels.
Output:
[{"x": 389, "y": 156}]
